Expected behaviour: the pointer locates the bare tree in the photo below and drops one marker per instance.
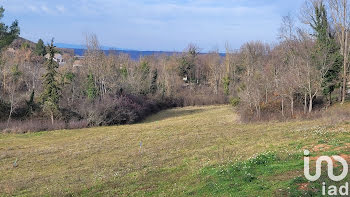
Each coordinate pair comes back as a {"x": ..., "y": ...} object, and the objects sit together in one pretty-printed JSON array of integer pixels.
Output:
[
  {"x": 216, "y": 71},
  {"x": 312, "y": 67},
  {"x": 13, "y": 90}
]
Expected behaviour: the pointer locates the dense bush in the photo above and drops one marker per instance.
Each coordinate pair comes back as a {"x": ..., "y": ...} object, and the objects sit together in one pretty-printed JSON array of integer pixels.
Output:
[
  {"x": 127, "y": 109},
  {"x": 24, "y": 126},
  {"x": 234, "y": 102},
  {"x": 111, "y": 110},
  {"x": 4, "y": 110}
]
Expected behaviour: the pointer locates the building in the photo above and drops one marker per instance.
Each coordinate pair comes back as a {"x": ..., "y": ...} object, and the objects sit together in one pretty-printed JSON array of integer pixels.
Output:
[{"x": 57, "y": 58}]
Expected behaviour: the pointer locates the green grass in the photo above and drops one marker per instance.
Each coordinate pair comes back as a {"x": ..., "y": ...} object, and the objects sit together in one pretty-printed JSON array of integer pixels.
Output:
[
  {"x": 253, "y": 177},
  {"x": 186, "y": 151}
]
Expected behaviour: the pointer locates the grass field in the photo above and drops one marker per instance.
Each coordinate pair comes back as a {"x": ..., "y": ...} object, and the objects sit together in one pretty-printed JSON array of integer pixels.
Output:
[{"x": 200, "y": 151}]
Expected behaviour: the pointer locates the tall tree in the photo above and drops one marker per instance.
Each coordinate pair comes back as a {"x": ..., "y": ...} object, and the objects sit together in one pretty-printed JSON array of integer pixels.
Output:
[
  {"x": 154, "y": 86},
  {"x": 326, "y": 47},
  {"x": 91, "y": 90},
  {"x": 40, "y": 48},
  {"x": 187, "y": 66},
  {"x": 339, "y": 10},
  {"x": 13, "y": 87},
  {"x": 7, "y": 34},
  {"x": 51, "y": 93}
]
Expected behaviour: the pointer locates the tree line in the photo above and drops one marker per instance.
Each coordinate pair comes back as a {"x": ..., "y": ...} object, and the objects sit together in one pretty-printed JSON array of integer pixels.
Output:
[{"x": 306, "y": 69}]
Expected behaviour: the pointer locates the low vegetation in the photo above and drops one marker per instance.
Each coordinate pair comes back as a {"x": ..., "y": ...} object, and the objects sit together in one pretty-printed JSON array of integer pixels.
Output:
[{"x": 178, "y": 152}]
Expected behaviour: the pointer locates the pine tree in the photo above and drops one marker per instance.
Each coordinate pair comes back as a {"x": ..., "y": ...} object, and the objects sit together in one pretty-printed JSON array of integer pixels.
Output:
[
  {"x": 40, "y": 48},
  {"x": 326, "y": 43},
  {"x": 7, "y": 34},
  {"x": 226, "y": 83},
  {"x": 154, "y": 87},
  {"x": 91, "y": 89},
  {"x": 51, "y": 93},
  {"x": 188, "y": 64}
]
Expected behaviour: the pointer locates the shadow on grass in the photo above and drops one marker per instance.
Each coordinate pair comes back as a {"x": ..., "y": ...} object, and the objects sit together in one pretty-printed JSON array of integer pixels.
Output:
[{"x": 173, "y": 113}]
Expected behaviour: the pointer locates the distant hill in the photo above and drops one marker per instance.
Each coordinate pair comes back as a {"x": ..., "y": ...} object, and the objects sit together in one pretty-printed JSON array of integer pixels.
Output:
[
  {"x": 80, "y": 49},
  {"x": 78, "y": 46},
  {"x": 18, "y": 42},
  {"x": 134, "y": 54}
]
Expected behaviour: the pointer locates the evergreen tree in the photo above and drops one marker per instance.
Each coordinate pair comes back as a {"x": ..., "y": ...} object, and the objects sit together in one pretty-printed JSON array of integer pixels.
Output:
[
  {"x": 40, "y": 48},
  {"x": 187, "y": 68},
  {"x": 144, "y": 70},
  {"x": 326, "y": 43},
  {"x": 153, "y": 88},
  {"x": 51, "y": 93},
  {"x": 7, "y": 34},
  {"x": 91, "y": 89},
  {"x": 226, "y": 83},
  {"x": 31, "y": 104}
]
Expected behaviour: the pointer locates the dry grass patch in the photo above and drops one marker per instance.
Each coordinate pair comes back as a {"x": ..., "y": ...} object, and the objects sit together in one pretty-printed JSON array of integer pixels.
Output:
[{"x": 158, "y": 156}]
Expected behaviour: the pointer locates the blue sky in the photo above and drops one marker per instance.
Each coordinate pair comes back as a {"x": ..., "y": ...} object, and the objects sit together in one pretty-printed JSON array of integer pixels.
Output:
[{"x": 151, "y": 24}]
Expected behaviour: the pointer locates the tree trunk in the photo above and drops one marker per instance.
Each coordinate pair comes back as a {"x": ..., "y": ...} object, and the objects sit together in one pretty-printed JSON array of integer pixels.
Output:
[
  {"x": 305, "y": 103},
  {"x": 52, "y": 120},
  {"x": 292, "y": 106},
  {"x": 345, "y": 69},
  {"x": 340, "y": 93},
  {"x": 310, "y": 102},
  {"x": 258, "y": 111},
  {"x": 282, "y": 107},
  {"x": 9, "y": 118},
  {"x": 11, "y": 110}
]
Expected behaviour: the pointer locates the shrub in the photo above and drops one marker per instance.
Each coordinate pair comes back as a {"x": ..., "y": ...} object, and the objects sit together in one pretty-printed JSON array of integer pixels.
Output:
[
  {"x": 77, "y": 124},
  {"x": 234, "y": 101},
  {"x": 35, "y": 125},
  {"x": 4, "y": 110},
  {"x": 125, "y": 109},
  {"x": 200, "y": 96}
]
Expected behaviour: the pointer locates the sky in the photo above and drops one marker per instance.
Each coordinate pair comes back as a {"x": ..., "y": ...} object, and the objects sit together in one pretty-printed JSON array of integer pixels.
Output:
[{"x": 167, "y": 25}]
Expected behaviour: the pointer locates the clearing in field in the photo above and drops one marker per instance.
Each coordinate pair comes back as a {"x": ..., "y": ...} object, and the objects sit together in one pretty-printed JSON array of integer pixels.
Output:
[{"x": 186, "y": 151}]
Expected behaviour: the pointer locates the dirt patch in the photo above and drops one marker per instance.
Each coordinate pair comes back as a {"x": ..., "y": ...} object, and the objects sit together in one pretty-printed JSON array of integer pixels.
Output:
[
  {"x": 346, "y": 157},
  {"x": 318, "y": 148},
  {"x": 344, "y": 147},
  {"x": 321, "y": 147},
  {"x": 303, "y": 186}
]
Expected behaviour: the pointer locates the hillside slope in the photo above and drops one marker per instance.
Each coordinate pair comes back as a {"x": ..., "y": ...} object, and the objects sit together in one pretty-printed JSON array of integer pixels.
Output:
[{"x": 176, "y": 152}]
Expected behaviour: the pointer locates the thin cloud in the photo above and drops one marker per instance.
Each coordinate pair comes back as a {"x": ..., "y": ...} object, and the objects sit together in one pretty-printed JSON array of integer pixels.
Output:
[
  {"x": 45, "y": 9},
  {"x": 143, "y": 21},
  {"x": 33, "y": 8},
  {"x": 61, "y": 8},
  {"x": 147, "y": 24}
]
